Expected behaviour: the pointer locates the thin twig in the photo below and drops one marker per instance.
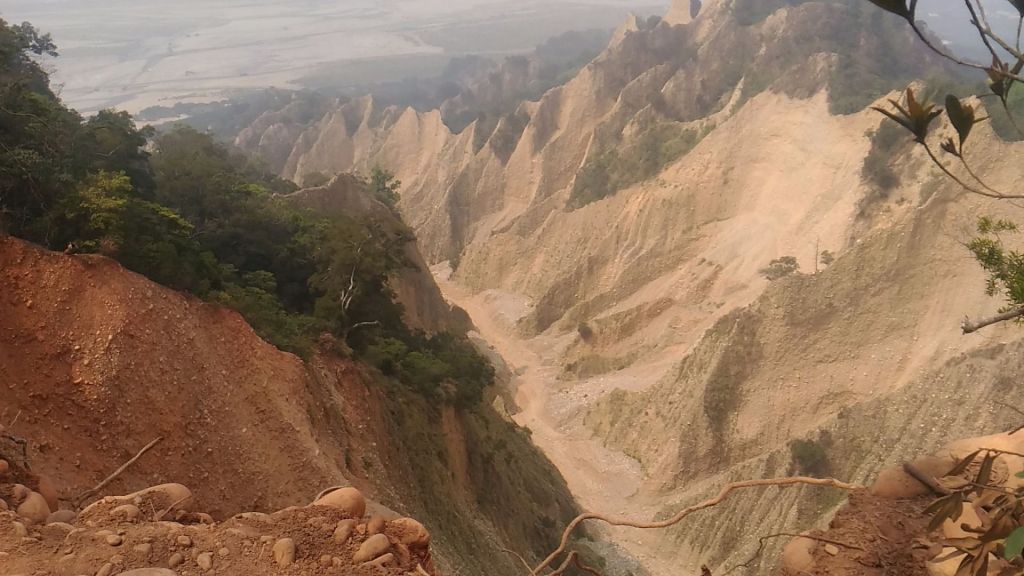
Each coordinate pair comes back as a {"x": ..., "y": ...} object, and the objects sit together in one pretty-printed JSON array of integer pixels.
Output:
[
  {"x": 928, "y": 43},
  {"x": 1014, "y": 408},
  {"x": 993, "y": 488},
  {"x": 926, "y": 479},
  {"x": 574, "y": 560},
  {"x": 160, "y": 515},
  {"x": 519, "y": 556},
  {"x": 1011, "y": 407},
  {"x": 93, "y": 491},
  {"x": 977, "y": 178},
  {"x": 764, "y": 541},
  {"x": 981, "y": 32},
  {"x": 726, "y": 490},
  {"x": 565, "y": 564},
  {"x": 964, "y": 185},
  {"x": 987, "y": 31},
  {"x": 584, "y": 568},
  {"x": 970, "y": 326},
  {"x": 1020, "y": 22},
  {"x": 1005, "y": 452}
]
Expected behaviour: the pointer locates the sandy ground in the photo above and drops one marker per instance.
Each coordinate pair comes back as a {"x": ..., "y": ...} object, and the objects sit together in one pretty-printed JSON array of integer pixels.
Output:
[{"x": 601, "y": 480}]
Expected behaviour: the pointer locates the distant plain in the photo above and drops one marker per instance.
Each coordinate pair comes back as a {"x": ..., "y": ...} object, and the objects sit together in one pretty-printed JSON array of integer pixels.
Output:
[{"x": 132, "y": 54}]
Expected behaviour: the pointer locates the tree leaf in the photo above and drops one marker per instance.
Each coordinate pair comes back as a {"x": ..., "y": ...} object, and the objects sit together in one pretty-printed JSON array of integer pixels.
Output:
[
  {"x": 902, "y": 122},
  {"x": 962, "y": 465},
  {"x": 897, "y": 7},
  {"x": 1014, "y": 544},
  {"x": 965, "y": 566},
  {"x": 962, "y": 117},
  {"x": 985, "y": 473},
  {"x": 947, "y": 507}
]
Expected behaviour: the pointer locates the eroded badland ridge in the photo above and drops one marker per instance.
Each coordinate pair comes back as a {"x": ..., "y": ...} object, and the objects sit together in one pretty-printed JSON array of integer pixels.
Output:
[
  {"x": 610, "y": 235},
  {"x": 607, "y": 240}
]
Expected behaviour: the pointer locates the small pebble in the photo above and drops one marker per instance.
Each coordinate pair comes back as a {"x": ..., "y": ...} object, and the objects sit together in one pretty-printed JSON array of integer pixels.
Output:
[
  {"x": 184, "y": 541},
  {"x": 175, "y": 560},
  {"x": 114, "y": 540},
  {"x": 374, "y": 547},
  {"x": 284, "y": 552},
  {"x": 205, "y": 560},
  {"x": 344, "y": 531},
  {"x": 375, "y": 525}
]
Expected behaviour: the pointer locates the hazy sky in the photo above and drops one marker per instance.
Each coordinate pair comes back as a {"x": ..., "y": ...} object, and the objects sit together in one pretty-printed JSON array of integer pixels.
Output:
[
  {"x": 136, "y": 53},
  {"x": 951, "y": 20}
]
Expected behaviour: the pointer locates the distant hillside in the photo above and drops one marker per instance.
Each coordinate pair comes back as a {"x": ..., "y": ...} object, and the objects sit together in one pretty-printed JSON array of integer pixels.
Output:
[{"x": 613, "y": 235}]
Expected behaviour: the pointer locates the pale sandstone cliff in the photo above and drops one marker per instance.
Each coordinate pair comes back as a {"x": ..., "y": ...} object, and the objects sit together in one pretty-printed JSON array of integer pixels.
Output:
[{"x": 720, "y": 369}]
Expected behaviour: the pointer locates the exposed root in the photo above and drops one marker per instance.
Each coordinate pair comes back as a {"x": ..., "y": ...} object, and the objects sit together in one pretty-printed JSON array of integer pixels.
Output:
[
  {"x": 160, "y": 515},
  {"x": 96, "y": 490},
  {"x": 764, "y": 541},
  {"x": 728, "y": 489}
]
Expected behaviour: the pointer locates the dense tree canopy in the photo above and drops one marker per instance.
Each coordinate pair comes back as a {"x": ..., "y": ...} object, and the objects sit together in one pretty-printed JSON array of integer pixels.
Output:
[{"x": 195, "y": 215}]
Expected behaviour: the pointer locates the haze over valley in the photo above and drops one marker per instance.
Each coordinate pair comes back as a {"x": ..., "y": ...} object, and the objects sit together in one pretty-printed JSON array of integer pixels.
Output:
[
  {"x": 483, "y": 287},
  {"x": 133, "y": 55}
]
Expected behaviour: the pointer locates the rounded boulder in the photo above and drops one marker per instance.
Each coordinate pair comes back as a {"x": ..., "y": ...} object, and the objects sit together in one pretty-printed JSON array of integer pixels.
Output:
[
  {"x": 374, "y": 547},
  {"x": 65, "y": 516},
  {"x": 284, "y": 552},
  {"x": 349, "y": 500},
  {"x": 410, "y": 532},
  {"x": 34, "y": 508},
  {"x": 376, "y": 525},
  {"x": 798, "y": 555},
  {"x": 49, "y": 492}
]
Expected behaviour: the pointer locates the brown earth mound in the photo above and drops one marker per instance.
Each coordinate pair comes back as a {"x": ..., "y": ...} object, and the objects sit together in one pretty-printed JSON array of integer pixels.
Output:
[
  {"x": 159, "y": 530},
  {"x": 884, "y": 531},
  {"x": 874, "y": 536},
  {"x": 96, "y": 362},
  {"x": 99, "y": 361}
]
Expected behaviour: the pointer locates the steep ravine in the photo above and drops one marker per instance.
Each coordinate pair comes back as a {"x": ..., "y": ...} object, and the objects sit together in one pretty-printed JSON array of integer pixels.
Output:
[
  {"x": 643, "y": 334},
  {"x": 96, "y": 361},
  {"x": 600, "y": 479}
]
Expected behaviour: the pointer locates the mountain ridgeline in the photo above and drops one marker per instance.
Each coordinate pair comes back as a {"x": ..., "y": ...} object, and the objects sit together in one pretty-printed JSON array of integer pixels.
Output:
[
  {"x": 621, "y": 225},
  {"x": 701, "y": 253}
]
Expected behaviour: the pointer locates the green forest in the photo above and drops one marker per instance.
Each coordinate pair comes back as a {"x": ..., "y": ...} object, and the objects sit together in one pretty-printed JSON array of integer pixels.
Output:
[{"x": 195, "y": 215}]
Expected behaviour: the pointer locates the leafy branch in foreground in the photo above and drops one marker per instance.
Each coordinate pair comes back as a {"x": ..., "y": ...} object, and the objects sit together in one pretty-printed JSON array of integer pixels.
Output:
[
  {"x": 1005, "y": 267},
  {"x": 997, "y": 541}
]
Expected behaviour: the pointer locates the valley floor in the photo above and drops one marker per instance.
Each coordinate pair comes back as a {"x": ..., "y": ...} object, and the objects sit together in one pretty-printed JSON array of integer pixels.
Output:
[{"x": 601, "y": 479}]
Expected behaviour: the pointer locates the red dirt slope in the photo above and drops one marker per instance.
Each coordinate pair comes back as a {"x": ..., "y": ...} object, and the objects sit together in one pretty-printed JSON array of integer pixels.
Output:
[{"x": 96, "y": 361}]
